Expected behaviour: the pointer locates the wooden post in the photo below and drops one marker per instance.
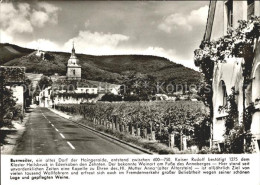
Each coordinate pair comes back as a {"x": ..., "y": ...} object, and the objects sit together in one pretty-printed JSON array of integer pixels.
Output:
[
  {"x": 122, "y": 128},
  {"x": 153, "y": 136},
  {"x": 113, "y": 126},
  {"x": 117, "y": 127},
  {"x": 132, "y": 130},
  {"x": 138, "y": 132},
  {"x": 145, "y": 133},
  {"x": 171, "y": 140},
  {"x": 184, "y": 142},
  {"x": 181, "y": 145}
]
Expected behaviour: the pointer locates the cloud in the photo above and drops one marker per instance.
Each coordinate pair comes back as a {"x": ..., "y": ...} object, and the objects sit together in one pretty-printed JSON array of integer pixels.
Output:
[
  {"x": 199, "y": 16},
  {"x": 15, "y": 19},
  {"x": 43, "y": 44},
  {"x": 39, "y": 18},
  {"x": 174, "y": 21},
  {"x": 49, "y": 8},
  {"x": 87, "y": 23},
  {"x": 170, "y": 54},
  {"x": 96, "y": 43},
  {"x": 5, "y": 37},
  {"x": 22, "y": 18},
  {"x": 49, "y": 11},
  {"x": 179, "y": 20}
]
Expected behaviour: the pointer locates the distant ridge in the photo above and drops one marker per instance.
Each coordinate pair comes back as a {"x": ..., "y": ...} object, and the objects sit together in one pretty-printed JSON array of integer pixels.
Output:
[
  {"x": 108, "y": 68},
  {"x": 10, "y": 51}
]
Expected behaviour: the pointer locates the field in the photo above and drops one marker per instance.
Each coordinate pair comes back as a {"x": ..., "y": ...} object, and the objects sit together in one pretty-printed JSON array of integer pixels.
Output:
[{"x": 158, "y": 121}]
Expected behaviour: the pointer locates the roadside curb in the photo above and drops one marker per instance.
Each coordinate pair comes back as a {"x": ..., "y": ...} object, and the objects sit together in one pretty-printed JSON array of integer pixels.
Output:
[{"x": 104, "y": 134}]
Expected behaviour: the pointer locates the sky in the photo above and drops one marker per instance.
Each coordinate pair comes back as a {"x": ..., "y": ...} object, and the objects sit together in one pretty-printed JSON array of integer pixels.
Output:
[{"x": 171, "y": 29}]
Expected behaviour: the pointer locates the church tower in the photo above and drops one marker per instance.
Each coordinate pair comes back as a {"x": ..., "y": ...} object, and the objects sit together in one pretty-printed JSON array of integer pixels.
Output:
[{"x": 73, "y": 68}]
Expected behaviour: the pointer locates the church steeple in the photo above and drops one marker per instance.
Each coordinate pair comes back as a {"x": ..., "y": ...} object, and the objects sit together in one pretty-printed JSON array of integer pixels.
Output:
[
  {"x": 73, "y": 50},
  {"x": 73, "y": 68}
]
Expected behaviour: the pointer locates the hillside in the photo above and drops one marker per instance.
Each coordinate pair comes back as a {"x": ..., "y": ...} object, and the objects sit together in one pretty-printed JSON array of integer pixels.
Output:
[
  {"x": 112, "y": 68},
  {"x": 9, "y": 52}
]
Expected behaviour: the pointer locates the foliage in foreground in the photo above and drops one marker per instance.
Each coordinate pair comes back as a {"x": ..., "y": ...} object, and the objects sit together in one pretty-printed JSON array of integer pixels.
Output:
[{"x": 238, "y": 42}]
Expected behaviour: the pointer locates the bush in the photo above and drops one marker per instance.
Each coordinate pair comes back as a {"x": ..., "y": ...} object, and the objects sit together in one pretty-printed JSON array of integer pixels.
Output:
[
  {"x": 18, "y": 112},
  {"x": 111, "y": 97}
]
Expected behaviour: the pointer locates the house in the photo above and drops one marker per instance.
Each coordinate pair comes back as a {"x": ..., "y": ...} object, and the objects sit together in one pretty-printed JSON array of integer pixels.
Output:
[
  {"x": 163, "y": 97},
  {"x": 227, "y": 75},
  {"x": 40, "y": 54},
  {"x": 35, "y": 78},
  {"x": 160, "y": 97},
  {"x": 104, "y": 88},
  {"x": 44, "y": 97}
]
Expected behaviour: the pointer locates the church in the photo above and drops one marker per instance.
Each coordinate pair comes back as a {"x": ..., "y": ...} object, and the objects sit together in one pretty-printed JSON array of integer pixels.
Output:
[
  {"x": 72, "y": 89},
  {"x": 73, "y": 68}
]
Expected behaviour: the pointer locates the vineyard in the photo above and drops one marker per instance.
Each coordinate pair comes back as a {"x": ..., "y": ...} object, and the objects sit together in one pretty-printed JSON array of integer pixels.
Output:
[{"x": 176, "y": 124}]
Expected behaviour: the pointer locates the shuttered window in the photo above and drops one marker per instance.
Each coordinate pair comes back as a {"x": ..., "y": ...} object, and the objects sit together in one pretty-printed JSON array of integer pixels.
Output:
[{"x": 250, "y": 8}]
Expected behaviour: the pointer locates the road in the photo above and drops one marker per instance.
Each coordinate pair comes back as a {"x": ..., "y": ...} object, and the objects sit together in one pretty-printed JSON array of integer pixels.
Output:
[{"x": 47, "y": 133}]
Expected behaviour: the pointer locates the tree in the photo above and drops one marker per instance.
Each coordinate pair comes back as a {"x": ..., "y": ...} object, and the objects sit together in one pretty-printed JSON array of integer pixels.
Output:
[
  {"x": 43, "y": 83},
  {"x": 111, "y": 97},
  {"x": 138, "y": 87},
  {"x": 27, "y": 93},
  {"x": 7, "y": 106}
]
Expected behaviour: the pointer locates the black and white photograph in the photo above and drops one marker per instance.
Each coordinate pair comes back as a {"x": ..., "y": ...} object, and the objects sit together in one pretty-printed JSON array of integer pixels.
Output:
[
  {"x": 119, "y": 77},
  {"x": 106, "y": 78}
]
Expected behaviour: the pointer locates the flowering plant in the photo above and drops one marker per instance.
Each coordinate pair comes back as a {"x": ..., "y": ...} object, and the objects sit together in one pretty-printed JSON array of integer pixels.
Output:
[{"x": 236, "y": 43}]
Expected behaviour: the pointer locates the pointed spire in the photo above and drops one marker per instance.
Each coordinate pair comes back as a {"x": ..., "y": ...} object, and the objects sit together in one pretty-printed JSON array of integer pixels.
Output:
[{"x": 73, "y": 49}]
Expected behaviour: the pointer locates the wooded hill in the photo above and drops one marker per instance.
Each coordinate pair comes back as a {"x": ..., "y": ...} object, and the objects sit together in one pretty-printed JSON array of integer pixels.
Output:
[{"x": 112, "y": 68}]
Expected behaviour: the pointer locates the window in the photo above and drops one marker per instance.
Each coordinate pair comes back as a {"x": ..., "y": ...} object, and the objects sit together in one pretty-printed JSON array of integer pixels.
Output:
[
  {"x": 229, "y": 10},
  {"x": 250, "y": 8},
  {"x": 224, "y": 90},
  {"x": 222, "y": 96}
]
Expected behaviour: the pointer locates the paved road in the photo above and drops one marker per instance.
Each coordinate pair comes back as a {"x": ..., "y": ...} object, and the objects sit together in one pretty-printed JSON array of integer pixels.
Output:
[{"x": 48, "y": 133}]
